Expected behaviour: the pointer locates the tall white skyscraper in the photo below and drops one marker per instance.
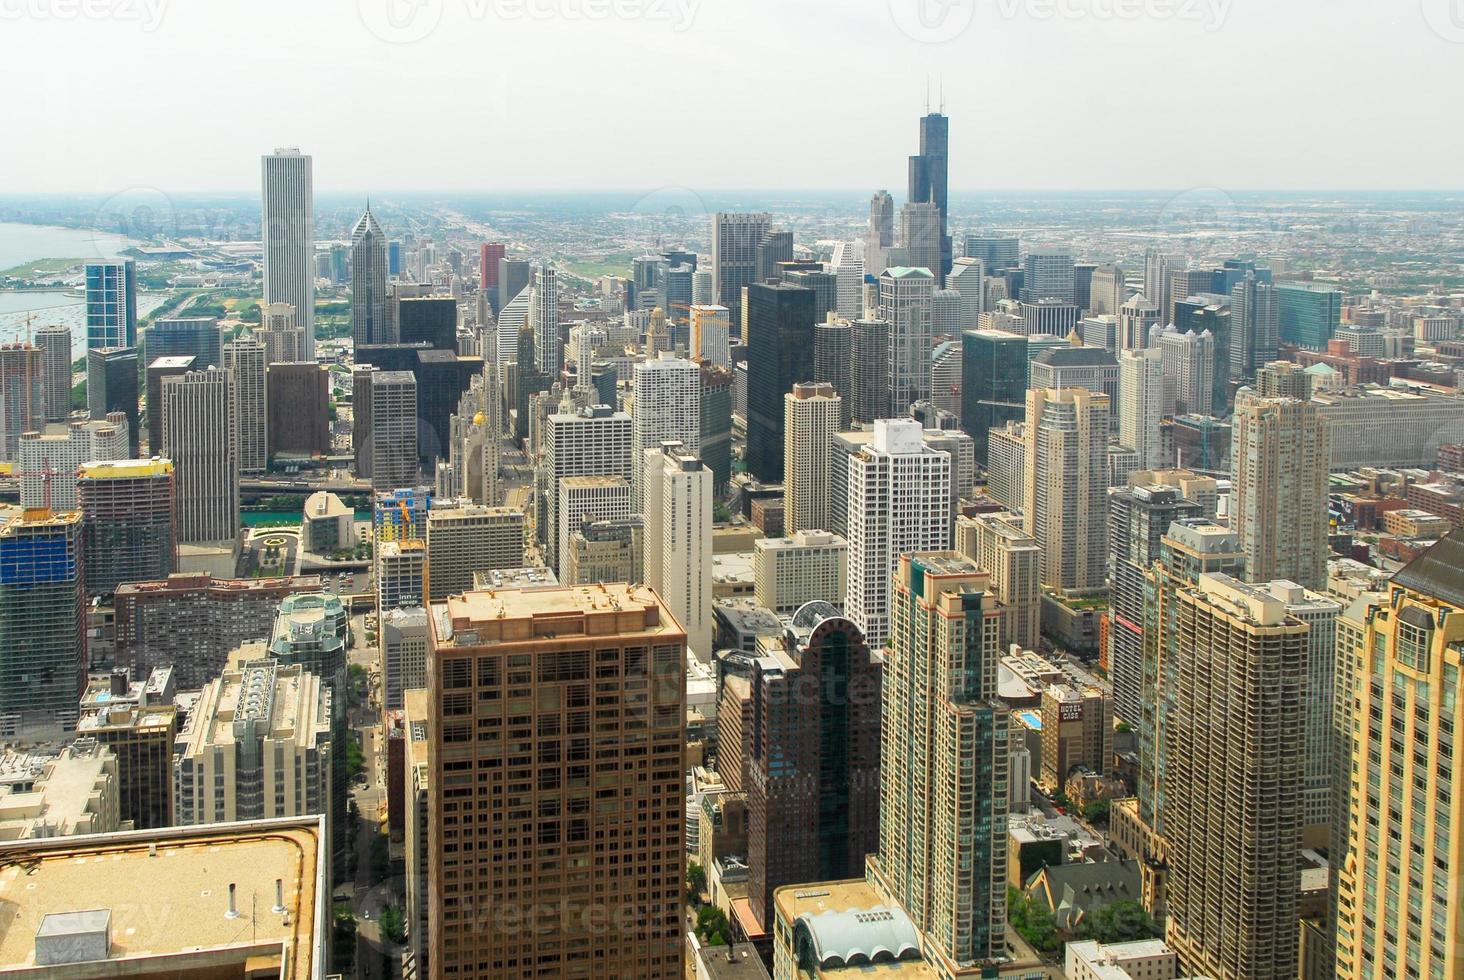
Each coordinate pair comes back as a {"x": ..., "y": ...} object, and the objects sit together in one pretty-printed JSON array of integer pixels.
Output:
[
  {"x": 899, "y": 503},
  {"x": 246, "y": 360},
  {"x": 287, "y": 226},
  {"x": 968, "y": 278},
  {"x": 848, "y": 266},
  {"x": 711, "y": 335},
  {"x": 1067, "y": 484},
  {"x": 678, "y": 550},
  {"x": 945, "y": 313},
  {"x": 592, "y": 442},
  {"x": 393, "y": 430},
  {"x": 368, "y": 282},
  {"x": 1141, "y": 405},
  {"x": 904, "y": 302},
  {"x": 197, "y": 437},
  {"x": 667, "y": 407},
  {"x": 703, "y": 288},
  {"x": 811, "y": 414},
  {"x": 544, "y": 318}
]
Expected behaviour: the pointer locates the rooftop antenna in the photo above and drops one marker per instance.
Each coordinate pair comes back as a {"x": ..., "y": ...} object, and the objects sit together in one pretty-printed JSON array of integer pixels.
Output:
[
  {"x": 927, "y": 95},
  {"x": 942, "y": 93}
]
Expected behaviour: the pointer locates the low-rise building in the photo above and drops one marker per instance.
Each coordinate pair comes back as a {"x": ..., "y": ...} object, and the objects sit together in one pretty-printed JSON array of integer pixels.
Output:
[
  {"x": 329, "y": 526},
  {"x": 1142, "y": 959},
  {"x": 807, "y": 567}
]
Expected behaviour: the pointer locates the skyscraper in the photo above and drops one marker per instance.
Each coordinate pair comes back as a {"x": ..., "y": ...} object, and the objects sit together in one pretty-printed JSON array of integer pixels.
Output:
[
  {"x": 1138, "y": 519},
  {"x": 199, "y": 337},
  {"x": 127, "y": 522},
  {"x": 111, "y": 304},
  {"x": 943, "y": 776},
  {"x": 1157, "y": 267},
  {"x": 1137, "y": 317},
  {"x": 810, "y": 419},
  {"x": 595, "y": 441},
  {"x": 996, "y": 252},
  {"x": 1049, "y": 274},
  {"x": 283, "y": 339},
  {"x": 287, "y": 223},
  {"x": 993, "y": 384},
  {"x": 1280, "y": 454},
  {"x": 1308, "y": 313},
  {"x": 47, "y": 461},
  {"x": 898, "y": 503},
  {"x": 711, "y": 333},
  {"x": 1233, "y": 777},
  {"x": 544, "y": 320},
  {"x": 54, "y": 341},
  {"x": 369, "y": 277},
  {"x": 775, "y": 248},
  {"x": 594, "y": 898},
  {"x": 1141, "y": 405},
  {"x": 848, "y": 265},
  {"x": 298, "y": 404},
  {"x": 667, "y": 406},
  {"x": 779, "y": 353},
  {"x": 833, "y": 354},
  {"x": 245, "y": 361},
  {"x": 392, "y": 430},
  {"x": 869, "y": 370},
  {"x": 42, "y": 620},
  {"x": 1189, "y": 360},
  {"x": 968, "y": 279},
  {"x": 469, "y": 538},
  {"x": 111, "y": 386},
  {"x": 814, "y": 760},
  {"x": 1400, "y": 890},
  {"x": 1255, "y": 326},
  {"x": 904, "y": 301},
  {"x": 929, "y": 170},
  {"x": 716, "y": 423},
  {"x": 735, "y": 238},
  {"x": 430, "y": 320},
  {"x": 1067, "y": 484},
  {"x": 920, "y": 237},
  {"x": 678, "y": 549},
  {"x": 879, "y": 236},
  {"x": 22, "y": 395},
  {"x": 198, "y": 437}
]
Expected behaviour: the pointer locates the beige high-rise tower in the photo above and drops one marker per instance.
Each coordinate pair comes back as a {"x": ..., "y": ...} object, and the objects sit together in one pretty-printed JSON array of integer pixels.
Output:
[
  {"x": 1233, "y": 802},
  {"x": 246, "y": 359},
  {"x": 1400, "y": 892},
  {"x": 539, "y": 701},
  {"x": 1280, "y": 454},
  {"x": 810, "y": 419},
  {"x": 1067, "y": 484}
]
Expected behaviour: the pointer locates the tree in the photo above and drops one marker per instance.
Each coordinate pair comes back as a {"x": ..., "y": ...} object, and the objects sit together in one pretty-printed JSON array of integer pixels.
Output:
[
  {"x": 711, "y": 926},
  {"x": 1097, "y": 811},
  {"x": 1033, "y": 921},
  {"x": 696, "y": 880},
  {"x": 1119, "y": 922},
  {"x": 393, "y": 925}
]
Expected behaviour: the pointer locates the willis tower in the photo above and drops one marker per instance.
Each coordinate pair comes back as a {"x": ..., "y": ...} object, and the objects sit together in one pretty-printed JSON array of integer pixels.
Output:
[{"x": 928, "y": 178}]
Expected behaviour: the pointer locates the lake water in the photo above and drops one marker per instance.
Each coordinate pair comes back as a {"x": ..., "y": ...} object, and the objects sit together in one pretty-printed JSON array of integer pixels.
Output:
[
  {"x": 68, "y": 309},
  {"x": 21, "y": 243}
]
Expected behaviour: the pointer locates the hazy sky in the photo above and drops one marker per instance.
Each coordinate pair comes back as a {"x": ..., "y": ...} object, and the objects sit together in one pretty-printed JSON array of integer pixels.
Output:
[{"x": 108, "y": 95}]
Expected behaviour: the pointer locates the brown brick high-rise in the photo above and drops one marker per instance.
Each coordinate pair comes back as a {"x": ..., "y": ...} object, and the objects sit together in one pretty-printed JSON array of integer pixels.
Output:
[{"x": 558, "y": 730}]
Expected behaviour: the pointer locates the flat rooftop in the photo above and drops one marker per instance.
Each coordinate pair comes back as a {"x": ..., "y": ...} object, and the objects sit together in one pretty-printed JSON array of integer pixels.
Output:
[
  {"x": 168, "y": 893},
  {"x": 487, "y": 616}
]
